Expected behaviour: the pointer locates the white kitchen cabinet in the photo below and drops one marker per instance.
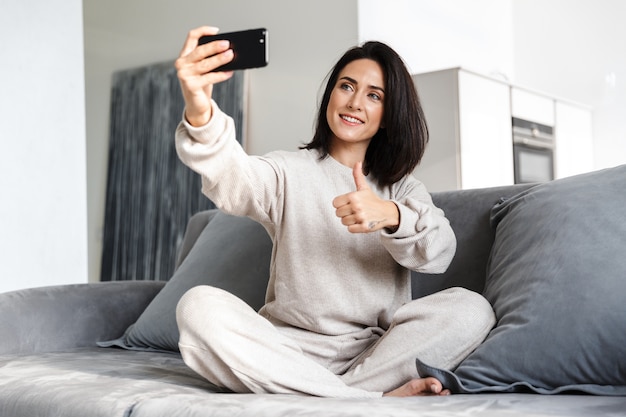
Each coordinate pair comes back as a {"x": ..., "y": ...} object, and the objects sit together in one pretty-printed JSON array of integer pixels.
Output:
[
  {"x": 574, "y": 139},
  {"x": 532, "y": 106},
  {"x": 469, "y": 120}
]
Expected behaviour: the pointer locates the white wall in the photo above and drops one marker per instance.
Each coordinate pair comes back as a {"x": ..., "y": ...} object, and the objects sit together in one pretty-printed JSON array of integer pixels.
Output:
[
  {"x": 43, "y": 218},
  {"x": 575, "y": 49},
  {"x": 436, "y": 34},
  {"x": 306, "y": 38}
]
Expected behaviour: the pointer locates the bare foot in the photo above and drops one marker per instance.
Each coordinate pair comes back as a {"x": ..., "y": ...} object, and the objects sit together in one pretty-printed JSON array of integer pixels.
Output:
[{"x": 419, "y": 386}]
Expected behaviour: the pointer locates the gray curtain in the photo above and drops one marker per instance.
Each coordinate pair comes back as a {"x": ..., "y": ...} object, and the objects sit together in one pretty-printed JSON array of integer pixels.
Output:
[{"x": 150, "y": 194}]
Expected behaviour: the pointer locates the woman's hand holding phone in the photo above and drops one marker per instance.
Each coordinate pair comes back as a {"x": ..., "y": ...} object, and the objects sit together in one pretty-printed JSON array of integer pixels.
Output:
[{"x": 195, "y": 66}]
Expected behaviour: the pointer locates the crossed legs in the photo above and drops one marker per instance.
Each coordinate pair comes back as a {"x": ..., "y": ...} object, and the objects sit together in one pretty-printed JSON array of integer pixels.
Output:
[{"x": 228, "y": 343}]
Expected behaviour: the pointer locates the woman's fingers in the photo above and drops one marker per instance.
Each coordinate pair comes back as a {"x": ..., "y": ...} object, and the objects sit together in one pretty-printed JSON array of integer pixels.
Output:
[{"x": 194, "y": 36}]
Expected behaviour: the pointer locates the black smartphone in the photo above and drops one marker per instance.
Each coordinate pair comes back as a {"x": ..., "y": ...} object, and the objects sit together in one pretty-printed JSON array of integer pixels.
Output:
[{"x": 251, "y": 48}]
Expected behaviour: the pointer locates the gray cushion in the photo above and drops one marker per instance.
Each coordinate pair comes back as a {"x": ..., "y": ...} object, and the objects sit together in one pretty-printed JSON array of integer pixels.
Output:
[
  {"x": 468, "y": 212},
  {"x": 232, "y": 253},
  {"x": 557, "y": 282}
]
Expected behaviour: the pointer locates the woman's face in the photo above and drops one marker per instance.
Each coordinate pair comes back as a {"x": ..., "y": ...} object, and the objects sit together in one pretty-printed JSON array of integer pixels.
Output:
[{"x": 355, "y": 109}]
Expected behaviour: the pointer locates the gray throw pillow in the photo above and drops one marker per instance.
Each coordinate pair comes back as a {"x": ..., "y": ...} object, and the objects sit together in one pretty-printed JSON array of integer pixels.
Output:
[
  {"x": 231, "y": 253},
  {"x": 557, "y": 281}
]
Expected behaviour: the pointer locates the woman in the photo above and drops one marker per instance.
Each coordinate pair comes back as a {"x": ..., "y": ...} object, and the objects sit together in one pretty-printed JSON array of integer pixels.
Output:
[{"x": 348, "y": 221}]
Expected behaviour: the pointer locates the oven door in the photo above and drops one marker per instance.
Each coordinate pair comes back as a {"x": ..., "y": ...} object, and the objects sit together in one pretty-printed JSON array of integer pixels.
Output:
[{"x": 533, "y": 163}]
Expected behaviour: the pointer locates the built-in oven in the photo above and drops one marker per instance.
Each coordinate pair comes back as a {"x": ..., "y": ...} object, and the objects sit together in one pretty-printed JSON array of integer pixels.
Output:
[{"x": 533, "y": 151}]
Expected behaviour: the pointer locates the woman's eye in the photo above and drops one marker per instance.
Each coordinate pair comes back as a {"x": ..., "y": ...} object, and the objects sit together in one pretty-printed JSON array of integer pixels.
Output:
[
  {"x": 346, "y": 87},
  {"x": 375, "y": 96}
]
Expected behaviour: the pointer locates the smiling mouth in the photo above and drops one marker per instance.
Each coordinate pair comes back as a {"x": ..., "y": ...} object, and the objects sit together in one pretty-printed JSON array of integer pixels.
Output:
[{"x": 351, "y": 119}]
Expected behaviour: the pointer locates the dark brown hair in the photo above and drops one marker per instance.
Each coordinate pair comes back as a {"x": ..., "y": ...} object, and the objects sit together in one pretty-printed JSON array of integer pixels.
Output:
[{"x": 396, "y": 149}]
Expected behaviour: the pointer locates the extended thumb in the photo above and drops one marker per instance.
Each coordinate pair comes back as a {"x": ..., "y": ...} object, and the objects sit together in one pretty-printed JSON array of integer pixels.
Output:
[{"x": 359, "y": 178}]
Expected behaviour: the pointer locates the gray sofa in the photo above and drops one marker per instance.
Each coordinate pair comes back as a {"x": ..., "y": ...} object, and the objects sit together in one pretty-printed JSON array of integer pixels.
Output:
[{"x": 109, "y": 349}]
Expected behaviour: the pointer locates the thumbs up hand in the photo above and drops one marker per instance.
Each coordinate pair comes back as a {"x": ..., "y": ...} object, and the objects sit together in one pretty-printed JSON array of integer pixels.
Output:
[{"x": 362, "y": 211}]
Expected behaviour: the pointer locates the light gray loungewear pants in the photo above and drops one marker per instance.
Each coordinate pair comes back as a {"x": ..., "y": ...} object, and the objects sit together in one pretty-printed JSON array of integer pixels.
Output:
[{"x": 231, "y": 345}]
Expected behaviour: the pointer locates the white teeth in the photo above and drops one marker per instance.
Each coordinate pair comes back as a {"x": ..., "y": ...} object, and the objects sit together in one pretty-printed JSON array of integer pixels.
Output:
[{"x": 351, "y": 119}]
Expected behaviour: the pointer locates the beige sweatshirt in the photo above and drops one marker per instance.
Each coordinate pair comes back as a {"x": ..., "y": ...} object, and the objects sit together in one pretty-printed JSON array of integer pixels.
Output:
[{"x": 322, "y": 277}]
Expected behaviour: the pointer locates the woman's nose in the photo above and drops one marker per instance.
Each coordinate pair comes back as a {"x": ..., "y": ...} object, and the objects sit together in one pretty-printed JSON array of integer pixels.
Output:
[{"x": 355, "y": 102}]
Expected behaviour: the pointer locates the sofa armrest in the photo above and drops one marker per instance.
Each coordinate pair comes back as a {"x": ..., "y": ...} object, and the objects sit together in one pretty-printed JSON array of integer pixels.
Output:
[{"x": 68, "y": 316}]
